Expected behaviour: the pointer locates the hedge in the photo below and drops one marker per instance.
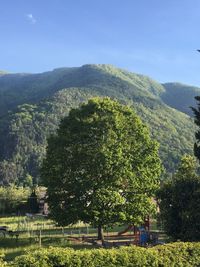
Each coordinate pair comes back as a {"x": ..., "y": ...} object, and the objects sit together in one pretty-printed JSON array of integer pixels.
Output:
[
  {"x": 174, "y": 255},
  {"x": 2, "y": 262}
]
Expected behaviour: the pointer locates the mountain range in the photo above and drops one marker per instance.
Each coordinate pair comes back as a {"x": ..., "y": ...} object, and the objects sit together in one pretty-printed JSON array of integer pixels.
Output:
[{"x": 32, "y": 105}]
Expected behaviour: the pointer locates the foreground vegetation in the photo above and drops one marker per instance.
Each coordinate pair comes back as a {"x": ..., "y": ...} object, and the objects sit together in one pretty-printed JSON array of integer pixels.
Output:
[{"x": 174, "y": 255}]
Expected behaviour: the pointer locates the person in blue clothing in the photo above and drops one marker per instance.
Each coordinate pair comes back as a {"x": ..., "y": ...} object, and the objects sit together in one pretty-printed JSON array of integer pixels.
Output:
[{"x": 143, "y": 237}]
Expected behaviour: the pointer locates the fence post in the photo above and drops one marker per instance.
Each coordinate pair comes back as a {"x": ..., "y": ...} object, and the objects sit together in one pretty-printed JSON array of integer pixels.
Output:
[{"x": 40, "y": 238}]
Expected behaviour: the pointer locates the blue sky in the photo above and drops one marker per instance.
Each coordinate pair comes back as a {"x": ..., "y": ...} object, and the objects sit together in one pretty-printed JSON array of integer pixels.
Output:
[{"x": 153, "y": 37}]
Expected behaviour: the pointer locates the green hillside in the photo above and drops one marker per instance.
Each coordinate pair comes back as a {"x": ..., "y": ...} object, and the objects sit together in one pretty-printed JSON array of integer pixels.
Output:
[
  {"x": 31, "y": 106},
  {"x": 180, "y": 96}
]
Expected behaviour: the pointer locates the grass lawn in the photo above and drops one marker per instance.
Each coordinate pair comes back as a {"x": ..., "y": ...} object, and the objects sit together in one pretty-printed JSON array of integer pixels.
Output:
[
  {"x": 11, "y": 248},
  {"x": 51, "y": 235}
]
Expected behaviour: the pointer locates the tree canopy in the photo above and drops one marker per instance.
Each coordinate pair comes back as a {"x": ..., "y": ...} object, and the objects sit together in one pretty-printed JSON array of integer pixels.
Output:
[
  {"x": 101, "y": 167},
  {"x": 197, "y": 122},
  {"x": 179, "y": 201},
  {"x": 13, "y": 199}
]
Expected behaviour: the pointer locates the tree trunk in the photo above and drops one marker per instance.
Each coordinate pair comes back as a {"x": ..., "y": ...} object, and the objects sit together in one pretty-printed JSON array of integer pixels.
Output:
[{"x": 100, "y": 233}]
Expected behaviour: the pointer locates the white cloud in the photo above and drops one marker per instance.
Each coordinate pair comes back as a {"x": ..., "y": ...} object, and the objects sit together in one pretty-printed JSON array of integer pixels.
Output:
[{"x": 31, "y": 19}]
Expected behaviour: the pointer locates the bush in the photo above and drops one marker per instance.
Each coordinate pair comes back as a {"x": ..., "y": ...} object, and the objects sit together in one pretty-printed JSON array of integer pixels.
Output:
[
  {"x": 178, "y": 254},
  {"x": 174, "y": 255},
  {"x": 2, "y": 262},
  {"x": 131, "y": 256},
  {"x": 13, "y": 198}
]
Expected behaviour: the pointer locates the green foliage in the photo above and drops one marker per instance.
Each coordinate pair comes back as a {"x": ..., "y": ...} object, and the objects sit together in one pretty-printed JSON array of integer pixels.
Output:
[
  {"x": 28, "y": 182},
  {"x": 12, "y": 197},
  {"x": 175, "y": 255},
  {"x": 197, "y": 122},
  {"x": 180, "y": 202},
  {"x": 101, "y": 167},
  {"x": 31, "y": 106},
  {"x": 179, "y": 254},
  {"x": 2, "y": 262},
  {"x": 29, "y": 127}
]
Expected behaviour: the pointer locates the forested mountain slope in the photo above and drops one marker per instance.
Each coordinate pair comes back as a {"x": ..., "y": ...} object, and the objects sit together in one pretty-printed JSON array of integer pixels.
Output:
[
  {"x": 17, "y": 89},
  {"x": 31, "y": 106},
  {"x": 180, "y": 96}
]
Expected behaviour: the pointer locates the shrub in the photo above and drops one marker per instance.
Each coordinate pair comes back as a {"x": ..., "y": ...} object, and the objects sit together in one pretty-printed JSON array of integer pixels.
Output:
[
  {"x": 2, "y": 262},
  {"x": 179, "y": 254},
  {"x": 174, "y": 255}
]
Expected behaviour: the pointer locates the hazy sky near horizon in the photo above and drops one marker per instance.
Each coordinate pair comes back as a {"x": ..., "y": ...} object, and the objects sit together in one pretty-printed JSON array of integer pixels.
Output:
[{"x": 152, "y": 37}]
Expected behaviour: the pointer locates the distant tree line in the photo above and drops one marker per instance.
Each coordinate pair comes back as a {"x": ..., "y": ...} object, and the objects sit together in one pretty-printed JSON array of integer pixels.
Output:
[{"x": 18, "y": 200}]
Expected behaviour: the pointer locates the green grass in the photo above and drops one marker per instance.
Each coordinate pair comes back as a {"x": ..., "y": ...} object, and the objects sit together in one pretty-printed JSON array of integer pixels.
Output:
[
  {"x": 23, "y": 223},
  {"x": 51, "y": 235},
  {"x": 12, "y": 248},
  {"x": 29, "y": 235}
]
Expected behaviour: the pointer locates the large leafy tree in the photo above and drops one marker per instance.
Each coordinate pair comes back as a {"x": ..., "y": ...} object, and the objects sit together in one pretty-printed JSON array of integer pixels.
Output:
[
  {"x": 101, "y": 167},
  {"x": 179, "y": 201}
]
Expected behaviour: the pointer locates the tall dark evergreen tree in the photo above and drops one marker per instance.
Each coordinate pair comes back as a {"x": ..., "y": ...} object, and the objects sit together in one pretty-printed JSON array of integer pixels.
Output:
[{"x": 197, "y": 122}]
